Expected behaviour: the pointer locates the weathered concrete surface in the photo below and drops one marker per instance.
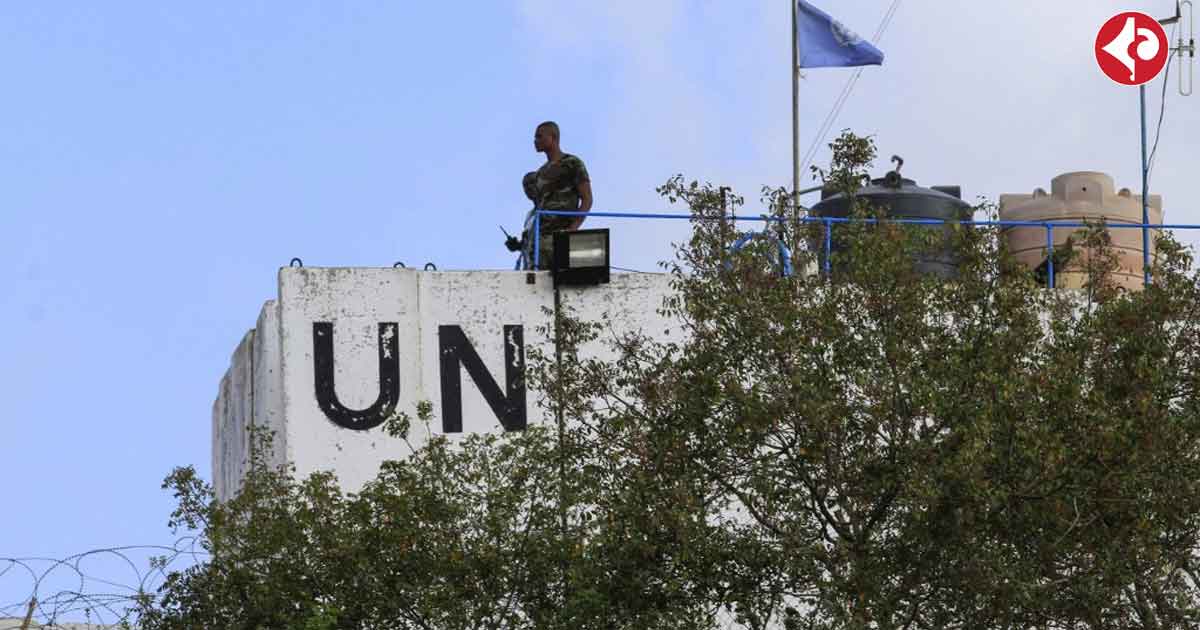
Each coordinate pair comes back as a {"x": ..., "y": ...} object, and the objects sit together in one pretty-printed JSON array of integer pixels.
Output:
[
  {"x": 629, "y": 304},
  {"x": 481, "y": 303},
  {"x": 272, "y": 382},
  {"x": 232, "y": 417},
  {"x": 355, "y": 301},
  {"x": 267, "y": 374}
]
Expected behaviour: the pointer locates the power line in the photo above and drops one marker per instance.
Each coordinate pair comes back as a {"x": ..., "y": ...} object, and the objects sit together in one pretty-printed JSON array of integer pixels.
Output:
[
  {"x": 1162, "y": 107},
  {"x": 847, "y": 89}
]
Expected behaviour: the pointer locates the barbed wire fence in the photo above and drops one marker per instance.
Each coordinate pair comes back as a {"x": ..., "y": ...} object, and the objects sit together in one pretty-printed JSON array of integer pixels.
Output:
[{"x": 95, "y": 588}]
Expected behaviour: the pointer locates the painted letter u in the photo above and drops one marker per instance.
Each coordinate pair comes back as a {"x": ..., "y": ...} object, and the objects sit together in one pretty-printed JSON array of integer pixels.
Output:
[{"x": 389, "y": 379}]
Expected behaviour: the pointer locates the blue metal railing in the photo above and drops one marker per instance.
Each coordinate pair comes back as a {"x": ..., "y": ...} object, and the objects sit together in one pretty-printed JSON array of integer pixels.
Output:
[{"x": 829, "y": 222}]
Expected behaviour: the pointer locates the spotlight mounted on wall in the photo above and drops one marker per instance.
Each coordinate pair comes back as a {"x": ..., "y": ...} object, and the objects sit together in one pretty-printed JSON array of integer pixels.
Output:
[{"x": 580, "y": 257}]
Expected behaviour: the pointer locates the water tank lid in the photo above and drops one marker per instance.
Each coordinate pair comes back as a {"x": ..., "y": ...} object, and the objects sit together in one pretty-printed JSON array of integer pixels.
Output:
[
  {"x": 953, "y": 191},
  {"x": 893, "y": 183}
]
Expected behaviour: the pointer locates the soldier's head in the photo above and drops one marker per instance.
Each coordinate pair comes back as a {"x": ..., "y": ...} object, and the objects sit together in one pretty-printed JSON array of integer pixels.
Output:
[{"x": 545, "y": 136}]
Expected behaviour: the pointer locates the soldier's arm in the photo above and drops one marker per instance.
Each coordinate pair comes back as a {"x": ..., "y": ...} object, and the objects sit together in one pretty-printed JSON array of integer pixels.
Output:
[{"x": 585, "y": 203}]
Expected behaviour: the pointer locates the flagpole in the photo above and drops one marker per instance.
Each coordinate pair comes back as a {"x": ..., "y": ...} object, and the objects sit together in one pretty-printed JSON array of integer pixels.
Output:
[{"x": 795, "y": 118}]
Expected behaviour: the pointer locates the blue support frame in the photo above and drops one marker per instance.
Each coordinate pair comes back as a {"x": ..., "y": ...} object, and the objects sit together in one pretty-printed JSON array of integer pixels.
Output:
[
  {"x": 785, "y": 254},
  {"x": 828, "y": 245},
  {"x": 830, "y": 221},
  {"x": 537, "y": 237},
  {"x": 1049, "y": 256}
]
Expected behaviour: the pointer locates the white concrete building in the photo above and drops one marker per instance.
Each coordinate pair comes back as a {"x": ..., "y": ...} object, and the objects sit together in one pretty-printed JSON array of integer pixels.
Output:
[{"x": 342, "y": 349}]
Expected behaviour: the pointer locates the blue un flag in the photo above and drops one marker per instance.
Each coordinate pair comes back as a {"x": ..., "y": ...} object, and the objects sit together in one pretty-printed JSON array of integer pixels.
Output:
[{"x": 824, "y": 42}]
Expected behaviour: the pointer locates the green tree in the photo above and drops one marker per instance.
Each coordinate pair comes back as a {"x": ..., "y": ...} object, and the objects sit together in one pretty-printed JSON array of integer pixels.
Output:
[
  {"x": 872, "y": 449},
  {"x": 488, "y": 531}
]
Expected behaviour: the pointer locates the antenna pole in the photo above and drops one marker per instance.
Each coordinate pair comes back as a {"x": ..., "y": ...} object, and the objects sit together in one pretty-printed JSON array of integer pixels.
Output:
[
  {"x": 1186, "y": 50},
  {"x": 795, "y": 116},
  {"x": 1145, "y": 193}
]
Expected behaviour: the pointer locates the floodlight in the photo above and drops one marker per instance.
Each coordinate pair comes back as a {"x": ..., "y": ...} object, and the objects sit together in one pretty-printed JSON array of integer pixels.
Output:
[{"x": 580, "y": 257}]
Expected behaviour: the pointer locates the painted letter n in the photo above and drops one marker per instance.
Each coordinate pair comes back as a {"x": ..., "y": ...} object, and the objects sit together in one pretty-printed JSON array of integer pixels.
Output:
[{"x": 456, "y": 351}]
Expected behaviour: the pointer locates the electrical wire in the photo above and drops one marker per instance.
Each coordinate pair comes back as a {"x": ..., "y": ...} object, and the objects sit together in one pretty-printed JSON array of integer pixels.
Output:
[
  {"x": 1162, "y": 108},
  {"x": 847, "y": 89}
]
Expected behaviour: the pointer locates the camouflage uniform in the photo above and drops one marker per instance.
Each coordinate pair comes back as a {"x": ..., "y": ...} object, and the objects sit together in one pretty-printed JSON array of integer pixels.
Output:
[{"x": 555, "y": 186}]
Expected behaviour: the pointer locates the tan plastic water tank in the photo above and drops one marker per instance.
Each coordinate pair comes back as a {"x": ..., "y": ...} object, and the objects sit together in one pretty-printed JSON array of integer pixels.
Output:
[{"x": 1074, "y": 197}]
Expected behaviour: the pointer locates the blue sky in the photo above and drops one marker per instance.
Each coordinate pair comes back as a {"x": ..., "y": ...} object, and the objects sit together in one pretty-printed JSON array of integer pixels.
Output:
[{"x": 160, "y": 161}]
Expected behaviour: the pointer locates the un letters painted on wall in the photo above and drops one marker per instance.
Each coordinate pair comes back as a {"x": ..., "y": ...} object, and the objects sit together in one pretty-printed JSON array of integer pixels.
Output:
[{"x": 455, "y": 354}]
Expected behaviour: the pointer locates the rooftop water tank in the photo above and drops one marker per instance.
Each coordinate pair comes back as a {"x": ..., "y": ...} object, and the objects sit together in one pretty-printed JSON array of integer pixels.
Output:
[
  {"x": 1076, "y": 197},
  {"x": 902, "y": 198}
]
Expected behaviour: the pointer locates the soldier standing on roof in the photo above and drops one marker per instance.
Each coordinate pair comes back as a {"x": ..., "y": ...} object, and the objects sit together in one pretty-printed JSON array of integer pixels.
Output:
[{"x": 561, "y": 183}]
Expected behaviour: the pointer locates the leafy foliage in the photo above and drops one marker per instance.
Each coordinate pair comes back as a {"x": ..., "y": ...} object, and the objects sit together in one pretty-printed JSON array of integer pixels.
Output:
[{"x": 874, "y": 448}]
